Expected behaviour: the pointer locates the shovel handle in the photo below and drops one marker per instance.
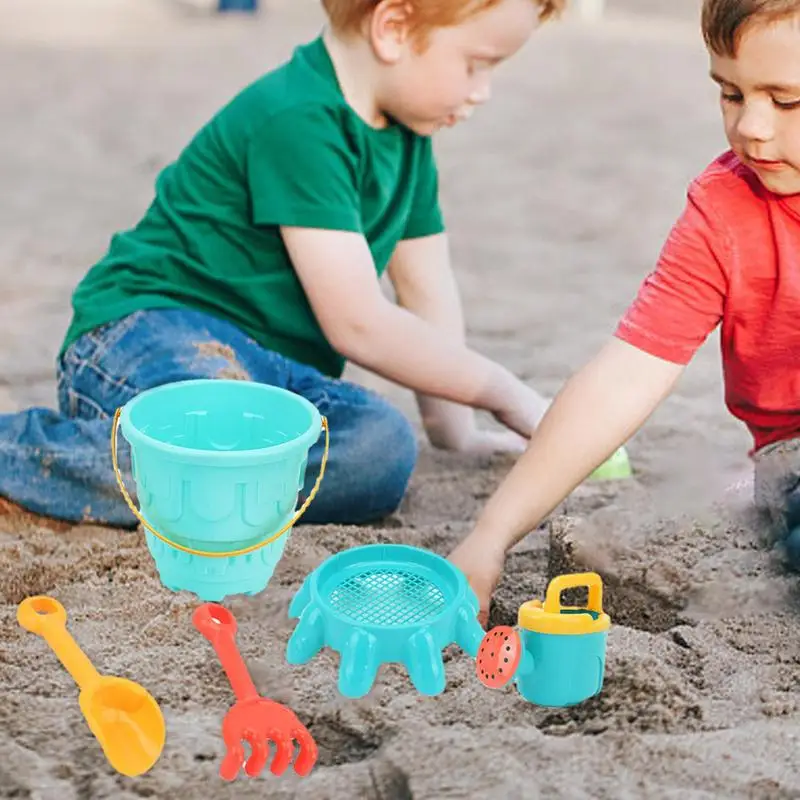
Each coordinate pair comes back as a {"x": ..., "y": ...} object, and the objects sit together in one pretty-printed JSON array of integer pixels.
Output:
[
  {"x": 46, "y": 617},
  {"x": 218, "y": 625}
]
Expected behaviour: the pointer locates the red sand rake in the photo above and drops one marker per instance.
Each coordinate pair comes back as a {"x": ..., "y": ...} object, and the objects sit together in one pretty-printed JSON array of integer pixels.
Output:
[{"x": 252, "y": 719}]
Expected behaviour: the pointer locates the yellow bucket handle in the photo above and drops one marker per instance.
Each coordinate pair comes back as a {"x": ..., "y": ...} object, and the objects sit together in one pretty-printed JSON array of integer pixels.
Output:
[
  {"x": 302, "y": 510},
  {"x": 552, "y": 602}
]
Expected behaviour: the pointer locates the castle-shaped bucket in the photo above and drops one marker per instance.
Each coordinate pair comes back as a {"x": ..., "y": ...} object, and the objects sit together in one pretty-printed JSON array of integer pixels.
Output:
[{"x": 218, "y": 467}]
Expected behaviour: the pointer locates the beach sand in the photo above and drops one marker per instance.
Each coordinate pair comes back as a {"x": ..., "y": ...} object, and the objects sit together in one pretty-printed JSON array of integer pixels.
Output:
[{"x": 558, "y": 197}]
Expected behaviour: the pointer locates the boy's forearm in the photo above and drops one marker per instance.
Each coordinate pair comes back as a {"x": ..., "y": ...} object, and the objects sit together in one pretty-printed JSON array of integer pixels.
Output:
[
  {"x": 448, "y": 425},
  {"x": 425, "y": 285},
  {"x": 402, "y": 347},
  {"x": 595, "y": 413}
]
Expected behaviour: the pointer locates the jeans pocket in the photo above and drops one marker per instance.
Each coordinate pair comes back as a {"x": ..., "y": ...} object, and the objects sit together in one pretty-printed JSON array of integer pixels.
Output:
[
  {"x": 107, "y": 337},
  {"x": 88, "y": 350}
]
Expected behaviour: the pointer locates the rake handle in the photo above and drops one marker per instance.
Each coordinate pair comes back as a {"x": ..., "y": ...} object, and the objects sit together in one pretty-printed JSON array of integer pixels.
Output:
[{"x": 218, "y": 626}]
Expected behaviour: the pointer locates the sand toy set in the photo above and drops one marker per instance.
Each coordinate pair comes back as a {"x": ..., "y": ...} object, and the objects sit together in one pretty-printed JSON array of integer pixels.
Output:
[
  {"x": 218, "y": 467},
  {"x": 383, "y": 604}
]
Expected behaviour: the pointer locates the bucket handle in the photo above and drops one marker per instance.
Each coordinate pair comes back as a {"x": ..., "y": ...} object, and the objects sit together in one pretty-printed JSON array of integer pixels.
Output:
[
  {"x": 552, "y": 602},
  {"x": 302, "y": 510}
]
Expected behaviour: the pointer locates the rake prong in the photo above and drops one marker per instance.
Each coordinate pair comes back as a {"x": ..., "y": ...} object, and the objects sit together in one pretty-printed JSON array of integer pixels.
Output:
[
  {"x": 234, "y": 757},
  {"x": 307, "y": 751},
  {"x": 259, "y": 752},
  {"x": 284, "y": 753}
]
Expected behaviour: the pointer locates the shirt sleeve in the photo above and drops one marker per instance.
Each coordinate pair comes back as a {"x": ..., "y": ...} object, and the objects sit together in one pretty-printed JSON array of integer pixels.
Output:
[
  {"x": 426, "y": 215},
  {"x": 302, "y": 173},
  {"x": 681, "y": 302}
]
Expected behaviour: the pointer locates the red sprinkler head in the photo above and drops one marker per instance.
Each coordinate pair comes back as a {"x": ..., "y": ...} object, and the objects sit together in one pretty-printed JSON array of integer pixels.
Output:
[{"x": 498, "y": 656}]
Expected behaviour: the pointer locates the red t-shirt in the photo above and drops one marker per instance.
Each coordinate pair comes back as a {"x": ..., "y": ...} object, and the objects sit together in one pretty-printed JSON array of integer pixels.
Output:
[{"x": 732, "y": 258}]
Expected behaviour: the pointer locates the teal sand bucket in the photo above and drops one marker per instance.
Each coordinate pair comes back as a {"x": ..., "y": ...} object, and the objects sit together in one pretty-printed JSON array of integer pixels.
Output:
[{"x": 218, "y": 467}]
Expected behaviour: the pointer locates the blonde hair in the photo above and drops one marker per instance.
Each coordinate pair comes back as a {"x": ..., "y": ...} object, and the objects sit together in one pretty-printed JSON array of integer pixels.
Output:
[
  {"x": 347, "y": 15},
  {"x": 725, "y": 21}
]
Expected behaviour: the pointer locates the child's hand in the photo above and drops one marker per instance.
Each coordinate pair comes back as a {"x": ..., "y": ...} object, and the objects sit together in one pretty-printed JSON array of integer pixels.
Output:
[
  {"x": 482, "y": 562},
  {"x": 522, "y": 409},
  {"x": 485, "y": 443},
  {"x": 450, "y": 426}
]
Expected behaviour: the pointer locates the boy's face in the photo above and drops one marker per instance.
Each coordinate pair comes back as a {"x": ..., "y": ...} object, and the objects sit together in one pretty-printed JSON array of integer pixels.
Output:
[
  {"x": 442, "y": 84},
  {"x": 760, "y": 96}
]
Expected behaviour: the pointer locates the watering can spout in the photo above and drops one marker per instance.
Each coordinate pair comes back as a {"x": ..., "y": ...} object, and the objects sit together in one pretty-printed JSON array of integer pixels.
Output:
[{"x": 499, "y": 656}]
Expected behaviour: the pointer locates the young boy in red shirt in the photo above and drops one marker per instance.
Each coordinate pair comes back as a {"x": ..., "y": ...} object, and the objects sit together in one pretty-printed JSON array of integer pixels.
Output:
[{"x": 732, "y": 259}]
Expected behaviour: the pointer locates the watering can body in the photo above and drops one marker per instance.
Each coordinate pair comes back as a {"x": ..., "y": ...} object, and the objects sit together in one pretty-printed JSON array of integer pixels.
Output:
[{"x": 561, "y": 670}]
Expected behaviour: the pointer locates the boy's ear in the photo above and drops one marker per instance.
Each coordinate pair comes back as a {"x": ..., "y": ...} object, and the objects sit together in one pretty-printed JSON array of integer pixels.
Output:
[{"x": 390, "y": 29}]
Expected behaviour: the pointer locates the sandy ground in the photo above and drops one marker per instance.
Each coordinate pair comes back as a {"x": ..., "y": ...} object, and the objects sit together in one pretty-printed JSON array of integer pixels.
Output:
[{"x": 558, "y": 197}]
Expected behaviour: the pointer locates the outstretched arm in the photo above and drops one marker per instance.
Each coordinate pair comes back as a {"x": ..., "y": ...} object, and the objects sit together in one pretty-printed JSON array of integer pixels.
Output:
[
  {"x": 422, "y": 276},
  {"x": 598, "y": 409},
  {"x": 338, "y": 276}
]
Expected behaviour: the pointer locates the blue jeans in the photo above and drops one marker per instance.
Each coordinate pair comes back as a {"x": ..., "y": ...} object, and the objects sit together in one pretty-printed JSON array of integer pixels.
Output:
[{"x": 58, "y": 464}]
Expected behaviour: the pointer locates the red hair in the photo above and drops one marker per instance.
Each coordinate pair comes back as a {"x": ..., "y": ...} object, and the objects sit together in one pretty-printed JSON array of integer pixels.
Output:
[{"x": 348, "y": 15}]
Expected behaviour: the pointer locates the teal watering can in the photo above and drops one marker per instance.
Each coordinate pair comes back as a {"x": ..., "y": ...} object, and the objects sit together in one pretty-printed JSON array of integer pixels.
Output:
[{"x": 557, "y": 654}]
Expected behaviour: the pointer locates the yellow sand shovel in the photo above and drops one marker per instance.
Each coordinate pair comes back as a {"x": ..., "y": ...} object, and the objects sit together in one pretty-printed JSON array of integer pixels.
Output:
[{"x": 124, "y": 718}]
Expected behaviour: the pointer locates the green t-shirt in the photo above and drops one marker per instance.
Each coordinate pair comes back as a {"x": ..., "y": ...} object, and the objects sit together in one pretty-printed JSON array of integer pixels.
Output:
[{"x": 287, "y": 150}]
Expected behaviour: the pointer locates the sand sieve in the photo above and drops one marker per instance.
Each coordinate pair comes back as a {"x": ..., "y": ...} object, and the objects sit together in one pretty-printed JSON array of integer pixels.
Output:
[{"x": 382, "y": 604}]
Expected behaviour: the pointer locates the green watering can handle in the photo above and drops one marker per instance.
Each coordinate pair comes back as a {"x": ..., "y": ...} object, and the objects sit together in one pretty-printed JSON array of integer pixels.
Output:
[{"x": 231, "y": 553}]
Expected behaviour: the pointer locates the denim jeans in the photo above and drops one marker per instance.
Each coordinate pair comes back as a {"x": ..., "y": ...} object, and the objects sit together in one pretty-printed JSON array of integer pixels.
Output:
[{"x": 58, "y": 463}]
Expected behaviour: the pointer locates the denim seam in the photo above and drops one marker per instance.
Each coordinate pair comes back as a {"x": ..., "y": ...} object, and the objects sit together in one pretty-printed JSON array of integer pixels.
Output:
[
  {"x": 75, "y": 397},
  {"x": 103, "y": 343},
  {"x": 119, "y": 383},
  {"x": 116, "y": 332},
  {"x": 338, "y": 402}
]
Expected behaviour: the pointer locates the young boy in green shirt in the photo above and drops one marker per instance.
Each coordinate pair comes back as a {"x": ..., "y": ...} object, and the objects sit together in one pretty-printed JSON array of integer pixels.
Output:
[
  {"x": 260, "y": 257},
  {"x": 732, "y": 260}
]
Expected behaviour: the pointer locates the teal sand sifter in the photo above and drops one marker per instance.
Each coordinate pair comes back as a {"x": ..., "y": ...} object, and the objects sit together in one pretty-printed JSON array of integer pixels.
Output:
[
  {"x": 218, "y": 467},
  {"x": 381, "y": 604}
]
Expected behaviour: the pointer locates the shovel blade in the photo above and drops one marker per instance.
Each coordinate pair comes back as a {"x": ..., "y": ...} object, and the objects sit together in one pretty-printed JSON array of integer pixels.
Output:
[{"x": 127, "y": 722}]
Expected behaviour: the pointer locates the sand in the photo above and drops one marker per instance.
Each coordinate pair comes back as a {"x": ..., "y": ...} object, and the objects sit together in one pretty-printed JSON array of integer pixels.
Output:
[{"x": 558, "y": 198}]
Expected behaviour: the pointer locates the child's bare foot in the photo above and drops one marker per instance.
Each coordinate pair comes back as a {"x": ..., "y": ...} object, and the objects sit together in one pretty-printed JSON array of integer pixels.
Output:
[{"x": 16, "y": 515}]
